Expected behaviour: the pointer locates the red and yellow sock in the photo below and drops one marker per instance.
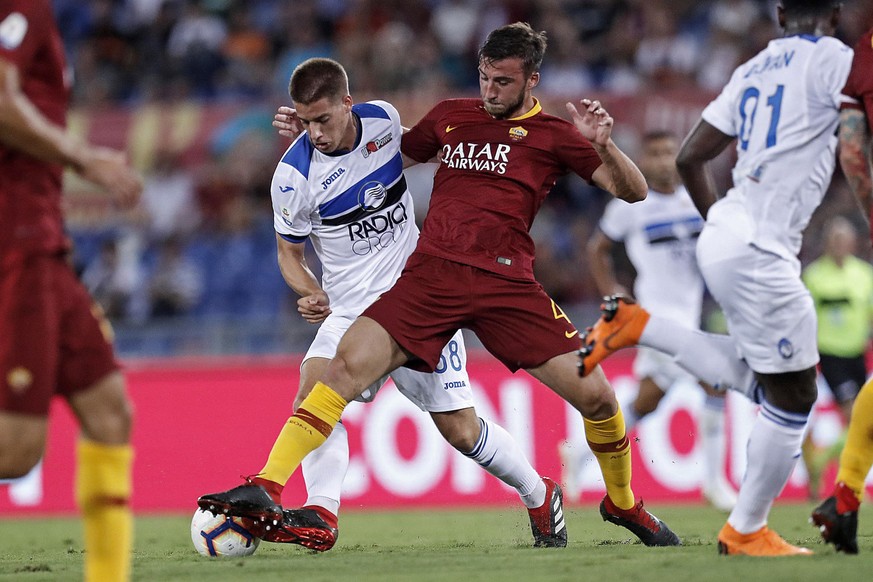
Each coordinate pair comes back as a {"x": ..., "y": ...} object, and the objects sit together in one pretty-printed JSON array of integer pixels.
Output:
[
  {"x": 103, "y": 489},
  {"x": 304, "y": 432},
  {"x": 857, "y": 455},
  {"x": 609, "y": 443}
]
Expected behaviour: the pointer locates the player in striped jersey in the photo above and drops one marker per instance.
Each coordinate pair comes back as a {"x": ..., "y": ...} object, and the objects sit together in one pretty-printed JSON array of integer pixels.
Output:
[
  {"x": 499, "y": 157},
  {"x": 341, "y": 186},
  {"x": 782, "y": 108}
]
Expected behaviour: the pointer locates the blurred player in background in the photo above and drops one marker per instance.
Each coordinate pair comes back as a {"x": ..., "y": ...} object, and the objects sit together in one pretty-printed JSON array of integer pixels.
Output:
[
  {"x": 660, "y": 235},
  {"x": 53, "y": 338},
  {"x": 837, "y": 516},
  {"x": 363, "y": 230},
  {"x": 499, "y": 157},
  {"x": 782, "y": 107},
  {"x": 841, "y": 285}
]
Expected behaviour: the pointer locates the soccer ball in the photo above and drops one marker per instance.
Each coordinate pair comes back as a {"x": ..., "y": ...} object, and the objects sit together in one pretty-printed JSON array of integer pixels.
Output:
[{"x": 222, "y": 535}]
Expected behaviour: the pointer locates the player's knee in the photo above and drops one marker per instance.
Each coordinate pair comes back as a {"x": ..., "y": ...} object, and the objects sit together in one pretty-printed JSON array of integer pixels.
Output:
[
  {"x": 340, "y": 370},
  {"x": 463, "y": 439},
  {"x": 22, "y": 444},
  {"x": 793, "y": 391},
  {"x": 598, "y": 408},
  {"x": 597, "y": 402},
  {"x": 461, "y": 428},
  {"x": 807, "y": 395},
  {"x": 108, "y": 419},
  {"x": 110, "y": 425}
]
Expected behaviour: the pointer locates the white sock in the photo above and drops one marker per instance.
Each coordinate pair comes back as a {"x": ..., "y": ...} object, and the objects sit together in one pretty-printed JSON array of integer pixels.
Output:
[
  {"x": 713, "y": 440},
  {"x": 710, "y": 357},
  {"x": 325, "y": 468},
  {"x": 773, "y": 450},
  {"x": 498, "y": 453}
]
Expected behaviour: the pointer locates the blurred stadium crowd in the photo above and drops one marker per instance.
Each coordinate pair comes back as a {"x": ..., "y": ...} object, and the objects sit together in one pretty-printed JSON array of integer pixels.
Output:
[{"x": 193, "y": 268}]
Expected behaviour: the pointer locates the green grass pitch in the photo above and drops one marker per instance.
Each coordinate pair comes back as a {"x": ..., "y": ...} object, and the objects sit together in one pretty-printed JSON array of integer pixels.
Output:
[{"x": 456, "y": 545}]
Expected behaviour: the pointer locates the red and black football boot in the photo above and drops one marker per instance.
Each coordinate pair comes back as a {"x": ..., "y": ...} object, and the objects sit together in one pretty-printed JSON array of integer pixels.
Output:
[
  {"x": 547, "y": 520},
  {"x": 311, "y": 526}
]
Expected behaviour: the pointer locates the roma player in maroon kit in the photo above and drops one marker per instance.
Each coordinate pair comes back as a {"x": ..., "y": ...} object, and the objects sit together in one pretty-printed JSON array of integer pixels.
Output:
[
  {"x": 473, "y": 267},
  {"x": 53, "y": 339},
  {"x": 837, "y": 516}
]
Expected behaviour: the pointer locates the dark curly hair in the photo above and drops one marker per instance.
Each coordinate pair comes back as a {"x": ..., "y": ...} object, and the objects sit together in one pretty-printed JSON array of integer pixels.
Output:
[{"x": 517, "y": 40}]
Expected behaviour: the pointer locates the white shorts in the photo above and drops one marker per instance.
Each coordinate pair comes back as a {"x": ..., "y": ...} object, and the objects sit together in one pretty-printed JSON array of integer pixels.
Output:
[
  {"x": 650, "y": 363},
  {"x": 446, "y": 389},
  {"x": 770, "y": 313}
]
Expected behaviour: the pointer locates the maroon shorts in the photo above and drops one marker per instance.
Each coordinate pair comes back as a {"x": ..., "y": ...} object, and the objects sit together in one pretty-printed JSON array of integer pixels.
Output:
[
  {"x": 53, "y": 338},
  {"x": 514, "y": 319}
]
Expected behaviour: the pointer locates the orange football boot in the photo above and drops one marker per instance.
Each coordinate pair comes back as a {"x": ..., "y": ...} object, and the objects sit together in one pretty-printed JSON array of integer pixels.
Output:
[
  {"x": 764, "y": 542},
  {"x": 620, "y": 325}
]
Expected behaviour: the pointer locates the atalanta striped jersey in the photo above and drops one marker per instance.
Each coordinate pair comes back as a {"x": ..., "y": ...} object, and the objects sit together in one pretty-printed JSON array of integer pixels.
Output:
[
  {"x": 660, "y": 237},
  {"x": 354, "y": 206},
  {"x": 783, "y": 107}
]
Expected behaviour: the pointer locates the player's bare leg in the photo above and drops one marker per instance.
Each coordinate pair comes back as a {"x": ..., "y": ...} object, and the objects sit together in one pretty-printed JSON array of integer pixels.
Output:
[
  {"x": 315, "y": 524},
  {"x": 22, "y": 443},
  {"x": 494, "y": 449},
  {"x": 103, "y": 480},
  {"x": 366, "y": 353},
  {"x": 594, "y": 398}
]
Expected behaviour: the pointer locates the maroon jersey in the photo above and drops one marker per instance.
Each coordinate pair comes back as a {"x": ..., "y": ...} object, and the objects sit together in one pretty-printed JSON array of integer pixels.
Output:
[
  {"x": 859, "y": 85},
  {"x": 492, "y": 179},
  {"x": 30, "y": 190}
]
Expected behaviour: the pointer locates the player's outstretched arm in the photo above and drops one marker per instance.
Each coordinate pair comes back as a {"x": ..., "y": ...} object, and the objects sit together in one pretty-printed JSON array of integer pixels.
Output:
[
  {"x": 24, "y": 128},
  {"x": 314, "y": 304},
  {"x": 618, "y": 175},
  {"x": 702, "y": 144},
  {"x": 855, "y": 156}
]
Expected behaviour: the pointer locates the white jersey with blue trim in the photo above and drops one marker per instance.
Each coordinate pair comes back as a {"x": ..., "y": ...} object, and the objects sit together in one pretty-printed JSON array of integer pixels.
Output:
[
  {"x": 660, "y": 237},
  {"x": 354, "y": 206},
  {"x": 783, "y": 107}
]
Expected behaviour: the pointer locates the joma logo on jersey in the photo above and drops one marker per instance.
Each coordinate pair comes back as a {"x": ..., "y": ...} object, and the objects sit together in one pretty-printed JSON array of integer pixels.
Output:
[
  {"x": 374, "y": 146},
  {"x": 377, "y": 231},
  {"x": 477, "y": 157},
  {"x": 332, "y": 178}
]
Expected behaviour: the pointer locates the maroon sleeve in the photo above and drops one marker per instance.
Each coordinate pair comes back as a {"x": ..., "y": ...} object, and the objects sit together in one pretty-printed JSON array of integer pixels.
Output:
[
  {"x": 420, "y": 143},
  {"x": 23, "y": 26},
  {"x": 859, "y": 85},
  {"x": 576, "y": 152}
]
